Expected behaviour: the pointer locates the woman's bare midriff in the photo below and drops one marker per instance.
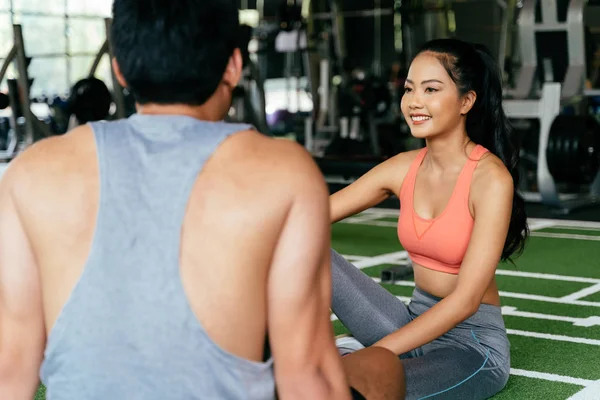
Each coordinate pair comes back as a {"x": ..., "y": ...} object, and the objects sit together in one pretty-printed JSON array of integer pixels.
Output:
[{"x": 441, "y": 284}]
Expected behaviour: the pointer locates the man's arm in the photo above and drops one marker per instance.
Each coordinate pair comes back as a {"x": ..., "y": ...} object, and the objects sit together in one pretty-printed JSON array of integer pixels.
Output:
[
  {"x": 307, "y": 364},
  {"x": 22, "y": 332}
]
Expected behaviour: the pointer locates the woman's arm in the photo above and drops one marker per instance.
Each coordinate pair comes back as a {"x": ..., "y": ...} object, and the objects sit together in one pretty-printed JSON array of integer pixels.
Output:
[
  {"x": 492, "y": 197},
  {"x": 381, "y": 182}
]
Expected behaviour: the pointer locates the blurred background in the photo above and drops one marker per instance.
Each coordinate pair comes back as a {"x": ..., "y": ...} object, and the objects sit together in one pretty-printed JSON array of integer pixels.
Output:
[{"x": 329, "y": 75}]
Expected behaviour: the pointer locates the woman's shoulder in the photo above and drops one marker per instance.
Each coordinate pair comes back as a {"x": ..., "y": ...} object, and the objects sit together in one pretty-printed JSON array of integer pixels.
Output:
[
  {"x": 392, "y": 171},
  {"x": 406, "y": 158},
  {"x": 491, "y": 176}
]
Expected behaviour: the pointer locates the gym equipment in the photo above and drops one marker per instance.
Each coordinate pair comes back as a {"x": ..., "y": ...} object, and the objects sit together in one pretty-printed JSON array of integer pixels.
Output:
[
  {"x": 490, "y": 28},
  {"x": 90, "y": 100},
  {"x": 424, "y": 20},
  {"x": 573, "y": 150},
  {"x": 568, "y": 145},
  {"x": 281, "y": 122},
  {"x": 248, "y": 104},
  {"x": 8, "y": 139},
  {"x": 421, "y": 21},
  {"x": 122, "y": 110},
  {"x": 540, "y": 63},
  {"x": 397, "y": 273},
  {"x": 4, "y": 101},
  {"x": 351, "y": 99},
  {"x": 24, "y": 123},
  {"x": 290, "y": 15}
]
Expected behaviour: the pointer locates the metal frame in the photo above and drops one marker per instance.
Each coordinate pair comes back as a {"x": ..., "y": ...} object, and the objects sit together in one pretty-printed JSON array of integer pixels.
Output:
[
  {"x": 574, "y": 81},
  {"x": 547, "y": 107},
  {"x": 34, "y": 128},
  {"x": 503, "y": 32},
  {"x": 327, "y": 123},
  {"x": 106, "y": 49},
  {"x": 528, "y": 56},
  {"x": 118, "y": 96},
  {"x": 67, "y": 17}
]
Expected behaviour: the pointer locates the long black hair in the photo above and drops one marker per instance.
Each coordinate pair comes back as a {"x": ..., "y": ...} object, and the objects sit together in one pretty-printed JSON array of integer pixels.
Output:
[{"x": 473, "y": 68}]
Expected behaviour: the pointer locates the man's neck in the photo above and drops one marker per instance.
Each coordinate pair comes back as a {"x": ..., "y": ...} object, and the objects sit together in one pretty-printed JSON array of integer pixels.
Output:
[{"x": 204, "y": 112}]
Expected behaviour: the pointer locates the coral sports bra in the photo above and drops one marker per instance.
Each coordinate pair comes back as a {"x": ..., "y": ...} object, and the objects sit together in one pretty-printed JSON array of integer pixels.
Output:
[{"x": 440, "y": 243}]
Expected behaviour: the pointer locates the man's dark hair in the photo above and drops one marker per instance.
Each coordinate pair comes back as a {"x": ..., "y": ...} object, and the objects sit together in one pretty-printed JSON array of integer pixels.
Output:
[{"x": 173, "y": 51}]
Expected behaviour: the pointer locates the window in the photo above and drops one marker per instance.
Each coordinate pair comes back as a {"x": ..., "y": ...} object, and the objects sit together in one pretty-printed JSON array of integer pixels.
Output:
[
  {"x": 80, "y": 68},
  {"x": 6, "y": 33},
  {"x": 49, "y": 75},
  {"x": 55, "y": 7},
  {"x": 63, "y": 38},
  {"x": 89, "y": 7},
  {"x": 42, "y": 35},
  {"x": 86, "y": 35}
]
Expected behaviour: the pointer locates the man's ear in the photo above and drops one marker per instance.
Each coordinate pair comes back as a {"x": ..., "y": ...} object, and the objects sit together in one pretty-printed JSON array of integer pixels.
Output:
[
  {"x": 233, "y": 73},
  {"x": 117, "y": 72}
]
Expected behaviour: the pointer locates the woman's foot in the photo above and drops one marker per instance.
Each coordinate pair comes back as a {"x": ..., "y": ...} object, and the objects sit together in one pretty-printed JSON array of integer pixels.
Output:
[{"x": 347, "y": 344}]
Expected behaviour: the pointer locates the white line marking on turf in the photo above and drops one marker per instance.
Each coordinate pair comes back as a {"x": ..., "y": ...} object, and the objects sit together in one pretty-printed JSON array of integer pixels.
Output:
[
  {"x": 565, "y": 236},
  {"x": 522, "y": 296},
  {"x": 552, "y": 277},
  {"x": 591, "y": 392},
  {"x": 353, "y": 258},
  {"x": 584, "y": 322},
  {"x": 558, "y": 223},
  {"x": 576, "y": 228},
  {"x": 516, "y": 332},
  {"x": 547, "y": 235},
  {"x": 557, "y": 338},
  {"x": 583, "y": 293},
  {"x": 389, "y": 258},
  {"x": 546, "y": 299},
  {"x": 371, "y": 223},
  {"x": 386, "y": 212},
  {"x": 551, "y": 377},
  {"x": 366, "y": 217},
  {"x": 507, "y": 272},
  {"x": 536, "y": 225},
  {"x": 397, "y": 283}
]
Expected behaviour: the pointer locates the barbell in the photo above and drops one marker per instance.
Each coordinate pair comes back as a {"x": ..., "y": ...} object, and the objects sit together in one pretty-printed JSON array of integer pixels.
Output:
[{"x": 572, "y": 153}]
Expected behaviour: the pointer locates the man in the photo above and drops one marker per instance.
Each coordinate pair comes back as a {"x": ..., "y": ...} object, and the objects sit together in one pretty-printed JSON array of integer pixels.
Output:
[{"x": 150, "y": 258}]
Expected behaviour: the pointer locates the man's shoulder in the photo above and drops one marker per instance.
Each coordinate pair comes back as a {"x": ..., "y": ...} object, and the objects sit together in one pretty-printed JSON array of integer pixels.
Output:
[
  {"x": 251, "y": 151},
  {"x": 51, "y": 158}
]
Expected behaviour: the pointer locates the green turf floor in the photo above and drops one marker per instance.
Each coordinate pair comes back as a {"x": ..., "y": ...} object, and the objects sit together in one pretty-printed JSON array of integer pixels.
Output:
[
  {"x": 554, "y": 330},
  {"x": 555, "y": 339}
]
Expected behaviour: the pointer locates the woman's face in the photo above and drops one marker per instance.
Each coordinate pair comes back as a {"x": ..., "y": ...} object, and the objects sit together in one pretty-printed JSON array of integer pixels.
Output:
[{"x": 431, "y": 103}]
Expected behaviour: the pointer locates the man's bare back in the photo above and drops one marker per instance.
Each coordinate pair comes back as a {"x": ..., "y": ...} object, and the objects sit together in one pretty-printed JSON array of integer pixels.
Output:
[{"x": 255, "y": 231}]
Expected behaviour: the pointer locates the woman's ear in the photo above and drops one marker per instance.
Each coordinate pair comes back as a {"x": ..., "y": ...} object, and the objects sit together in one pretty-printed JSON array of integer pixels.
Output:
[{"x": 468, "y": 100}]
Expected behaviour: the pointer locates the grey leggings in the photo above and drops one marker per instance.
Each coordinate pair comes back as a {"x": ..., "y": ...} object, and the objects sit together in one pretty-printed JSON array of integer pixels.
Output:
[{"x": 471, "y": 361}]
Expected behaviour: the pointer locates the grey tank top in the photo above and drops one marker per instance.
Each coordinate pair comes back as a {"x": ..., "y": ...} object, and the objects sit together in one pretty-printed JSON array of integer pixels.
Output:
[{"x": 127, "y": 330}]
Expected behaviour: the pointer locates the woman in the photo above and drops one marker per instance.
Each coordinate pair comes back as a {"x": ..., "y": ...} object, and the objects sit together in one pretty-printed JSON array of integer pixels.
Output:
[{"x": 460, "y": 215}]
